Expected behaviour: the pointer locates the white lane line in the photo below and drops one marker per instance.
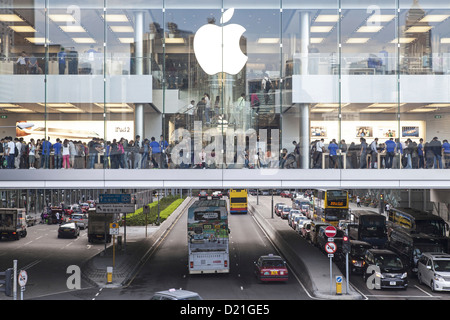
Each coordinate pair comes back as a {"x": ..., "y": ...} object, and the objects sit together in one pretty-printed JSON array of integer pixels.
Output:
[{"x": 427, "y": 293}]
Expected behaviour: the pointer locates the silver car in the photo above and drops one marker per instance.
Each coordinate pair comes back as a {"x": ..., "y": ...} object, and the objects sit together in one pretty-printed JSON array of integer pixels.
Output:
[
  {"x": 80, "y": 219},
  {"x": 434, "y": 271},
  {"x": 174, "y": 294}
]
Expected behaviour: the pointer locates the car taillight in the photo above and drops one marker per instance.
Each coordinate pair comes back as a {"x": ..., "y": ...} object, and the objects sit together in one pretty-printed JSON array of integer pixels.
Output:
[
  {"x": 192, "y": 264},
  {"x": 225, "y": 263}
]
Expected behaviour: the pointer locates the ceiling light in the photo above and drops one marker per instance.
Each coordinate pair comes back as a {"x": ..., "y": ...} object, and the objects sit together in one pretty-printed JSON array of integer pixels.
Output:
[
  {"x": 438, "y": 105},
  {"x": 36, "y": 40},
  {"x": 173, "y": 40},
  {"x": 381, "y": 18},
  {"x": 369, "y": 29},
  {"x": 19, "y": 110},
  {"x": 23, "y": 28},
  {"x": 9, "y": 105},
  {"x": 10, "y": 18},
  {"x": 357, "y": 40},
  {"x": 268, "y": 40},
  {"x": 122, "y": 29},
  {"x": 126, "y": 40},
  {"x": 120, "y": 110},
  {"x": 112, "y": 105},
  {"x": 385, "y": 105},
  {"x": 445, "y": 40},
  {"x": 323, "y": 110},
  {"x": 315, "y": 40},
  {"x": 324, "y": 29},
  {"x": 84, "y": 40},
  {"x": 327, "y": 18},
  {"x": 116, "y": 18},
  {"x": 72, "y": 28},
  {"x": 61, "y": 17},
  {"x": 69, "y": 110},
  {"x": 418, "y": 29},
  {"x": 422, "y": 110},
  {"x": 403, "y": 40},
  {"x": 434, "y": 18},
  {"x": 373, "y": 110},
  {"x": 57, "y": 105}
]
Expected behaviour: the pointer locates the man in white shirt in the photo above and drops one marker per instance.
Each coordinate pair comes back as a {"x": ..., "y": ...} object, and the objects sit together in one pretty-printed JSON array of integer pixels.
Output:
[
  {"x": 318, "y": 155},
  {"x": 190, "y": 111},
  {"x": 11, "y": 148}
]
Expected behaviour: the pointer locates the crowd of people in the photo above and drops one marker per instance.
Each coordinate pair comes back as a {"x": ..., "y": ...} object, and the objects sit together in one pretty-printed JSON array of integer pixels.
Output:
[
  {"x": 391, "y": 153},
  {"x": 68, "y": 154},
  {"x": 148, "y": 153}
]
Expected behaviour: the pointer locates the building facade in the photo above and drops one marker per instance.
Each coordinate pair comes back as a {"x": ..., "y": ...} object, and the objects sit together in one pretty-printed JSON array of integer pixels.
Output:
[{"x": 228, "y": 85}]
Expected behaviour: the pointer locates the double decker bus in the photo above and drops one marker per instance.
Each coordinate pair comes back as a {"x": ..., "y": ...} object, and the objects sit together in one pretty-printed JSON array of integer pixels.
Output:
[
  {"x": 207, "y": 231},
  {"x": 330, "y": 205},
  {"x": 238, "y": 200}
]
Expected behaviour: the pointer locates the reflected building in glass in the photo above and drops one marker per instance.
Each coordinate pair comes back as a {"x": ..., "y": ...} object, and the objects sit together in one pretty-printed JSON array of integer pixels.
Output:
[{"x": 226, "y": 84}]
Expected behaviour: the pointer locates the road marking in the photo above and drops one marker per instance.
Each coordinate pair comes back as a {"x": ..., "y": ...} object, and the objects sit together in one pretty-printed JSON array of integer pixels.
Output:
[{"x": 427, "y": 293}]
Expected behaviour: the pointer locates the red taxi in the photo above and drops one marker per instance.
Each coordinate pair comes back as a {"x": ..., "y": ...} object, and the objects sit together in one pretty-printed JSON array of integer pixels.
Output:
[{"x": 271, "y": 268}]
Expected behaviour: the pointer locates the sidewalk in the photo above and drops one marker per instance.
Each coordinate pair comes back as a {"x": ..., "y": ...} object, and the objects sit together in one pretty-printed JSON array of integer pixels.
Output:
[
  {"x": 311, "y": 265},
  {"x": 130, "y": 255}
]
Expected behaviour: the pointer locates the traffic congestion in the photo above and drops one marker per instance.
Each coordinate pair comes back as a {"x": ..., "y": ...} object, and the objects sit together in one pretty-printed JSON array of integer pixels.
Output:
[{"x": 386, "y": 250}]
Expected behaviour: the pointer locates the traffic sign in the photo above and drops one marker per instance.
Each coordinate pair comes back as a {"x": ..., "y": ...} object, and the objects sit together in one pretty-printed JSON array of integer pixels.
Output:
[
  {"x": 115, "y": 208},
  {"x": 23, "y": 277},
  {"x": 114, "y": 198},
  {"x": 330, "y": 231},
  {"x": 330, "y": 247}
]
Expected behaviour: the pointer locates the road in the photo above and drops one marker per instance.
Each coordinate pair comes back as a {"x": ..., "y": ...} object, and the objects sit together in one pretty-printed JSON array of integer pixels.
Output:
[{"x": 46, "y": 259}]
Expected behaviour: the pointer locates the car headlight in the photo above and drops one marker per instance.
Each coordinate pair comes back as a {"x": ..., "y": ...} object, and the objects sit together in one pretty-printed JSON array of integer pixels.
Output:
[
  {"x": 438, "y": 277},
  {"x": 404, "y": 275},
  {"x": 379, "y": 275}
]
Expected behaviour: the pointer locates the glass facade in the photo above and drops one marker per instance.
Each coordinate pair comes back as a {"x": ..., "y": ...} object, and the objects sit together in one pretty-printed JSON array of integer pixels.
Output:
[{"x": 225, "y": 84}]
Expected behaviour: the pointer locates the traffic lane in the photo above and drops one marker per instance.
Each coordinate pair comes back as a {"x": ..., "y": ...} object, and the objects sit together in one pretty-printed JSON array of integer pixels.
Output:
[
  {"x": 414, "y": 290},
  {"x": 167, "y": 267},
  {"x": 248, "y": 243},
  {"x": 46, "y": 259}
]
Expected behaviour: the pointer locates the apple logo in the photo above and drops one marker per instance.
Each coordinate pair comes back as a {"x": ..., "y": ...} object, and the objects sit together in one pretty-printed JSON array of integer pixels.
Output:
[{"x": 217, "y": 48}]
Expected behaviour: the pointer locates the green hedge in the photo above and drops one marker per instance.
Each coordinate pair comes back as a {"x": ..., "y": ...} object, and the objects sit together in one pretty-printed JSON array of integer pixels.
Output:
[{"x": 166, "y": 206}]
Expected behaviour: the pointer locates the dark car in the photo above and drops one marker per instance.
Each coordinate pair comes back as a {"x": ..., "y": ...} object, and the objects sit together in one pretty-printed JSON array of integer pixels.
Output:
[
  {"x": 355, "y": 256},
  {"x": 68, "y": 230},
  {"x": 203, "y": 195},
  {"x": 271, "y": 268},
  {"x": 392, "y": 272}
]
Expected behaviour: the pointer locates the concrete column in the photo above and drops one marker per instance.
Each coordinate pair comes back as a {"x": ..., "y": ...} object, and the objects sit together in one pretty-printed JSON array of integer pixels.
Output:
[
  {"x": 304, "y": 134},
  {"x": 139, "y": 64}
]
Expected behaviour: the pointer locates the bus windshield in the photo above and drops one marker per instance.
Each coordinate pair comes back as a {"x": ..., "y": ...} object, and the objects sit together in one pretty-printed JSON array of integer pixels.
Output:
[
  {"x": 433, "y": 227},
  {"x": 335, "y": 214},
  {"x": 372, "y": 226},
  {"x": 337, "y": 195}
]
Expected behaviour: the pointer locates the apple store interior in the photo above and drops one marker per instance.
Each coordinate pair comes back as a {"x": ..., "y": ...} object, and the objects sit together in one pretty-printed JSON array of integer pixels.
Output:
[{"x": 227, "y": 83}]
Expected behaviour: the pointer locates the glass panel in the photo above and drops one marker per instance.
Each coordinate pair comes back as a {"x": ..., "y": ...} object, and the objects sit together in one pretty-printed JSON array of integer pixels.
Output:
[
  {"x": 424, "y": 66},
  {"x": 310, "y": 51},
  {"x": 22, "y": 66},
  {"x": 368, "y": 83}
]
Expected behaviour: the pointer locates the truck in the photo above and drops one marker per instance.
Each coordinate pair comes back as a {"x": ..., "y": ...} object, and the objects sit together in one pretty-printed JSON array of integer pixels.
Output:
[
  {"x": 13, "y": 224},
  {"x": 99, "y": 225}
]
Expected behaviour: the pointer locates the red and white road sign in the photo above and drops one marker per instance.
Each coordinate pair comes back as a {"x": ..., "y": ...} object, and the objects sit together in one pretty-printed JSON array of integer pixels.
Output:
[
  {"x": 330, "y": 231},
  {"x": 330, "y": 247}
]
